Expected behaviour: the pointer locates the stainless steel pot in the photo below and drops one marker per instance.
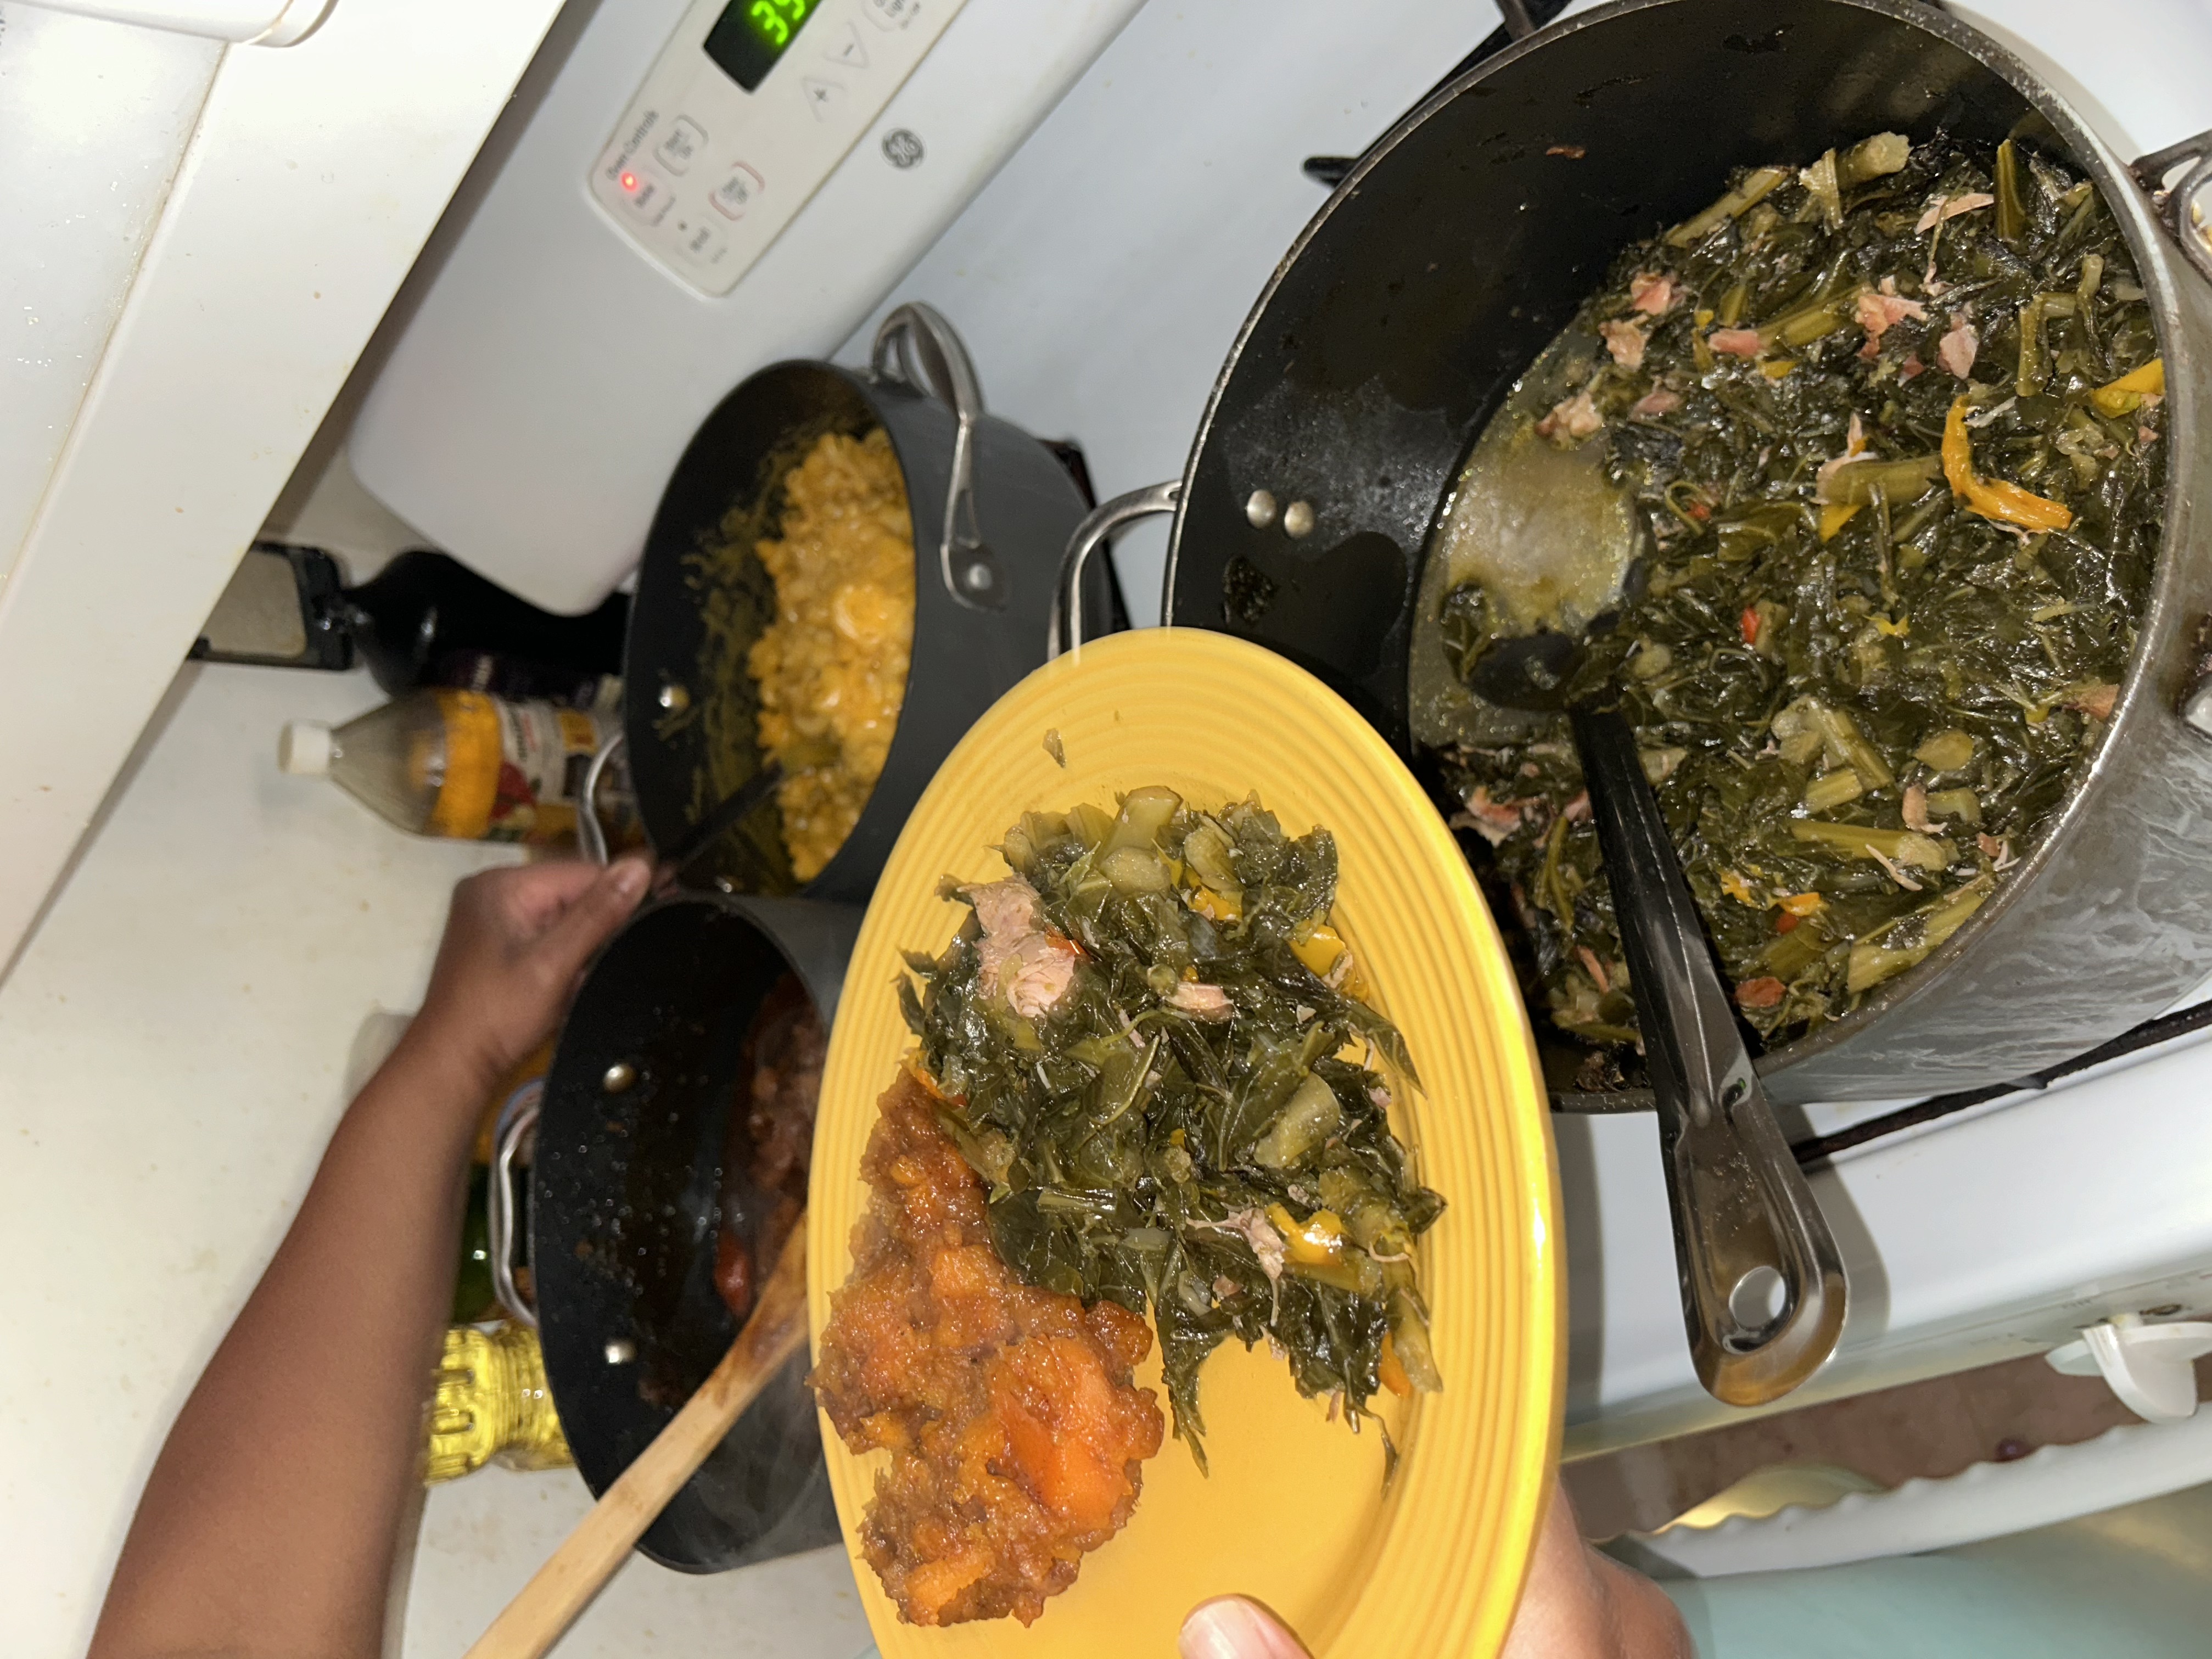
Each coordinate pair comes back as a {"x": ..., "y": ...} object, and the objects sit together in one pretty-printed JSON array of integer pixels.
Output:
[{"x": 1463, "y": 242}]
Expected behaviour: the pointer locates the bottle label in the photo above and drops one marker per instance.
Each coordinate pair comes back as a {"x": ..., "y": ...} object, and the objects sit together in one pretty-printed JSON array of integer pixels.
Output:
[{"x": 545, "y": 752}]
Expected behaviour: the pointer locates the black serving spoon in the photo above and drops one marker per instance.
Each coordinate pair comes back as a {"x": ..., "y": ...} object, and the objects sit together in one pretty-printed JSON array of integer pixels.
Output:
[
  {"x": 733, "y": 809},
  {"x": 1762, "y": 1283}
]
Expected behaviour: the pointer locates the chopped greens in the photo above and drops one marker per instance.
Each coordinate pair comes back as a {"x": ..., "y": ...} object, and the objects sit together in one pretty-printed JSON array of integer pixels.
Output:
[
  {"x": 1891, "y": 426},
  {"x": 1152, "y": 1043}
]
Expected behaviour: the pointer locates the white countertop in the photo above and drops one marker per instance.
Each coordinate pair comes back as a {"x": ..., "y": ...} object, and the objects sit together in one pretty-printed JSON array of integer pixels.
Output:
[{"x": 172, "y": 1050}]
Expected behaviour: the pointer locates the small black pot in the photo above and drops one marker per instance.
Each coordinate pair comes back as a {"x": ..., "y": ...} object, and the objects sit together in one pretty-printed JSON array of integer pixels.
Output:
[{"x": 623, "y": 1217}]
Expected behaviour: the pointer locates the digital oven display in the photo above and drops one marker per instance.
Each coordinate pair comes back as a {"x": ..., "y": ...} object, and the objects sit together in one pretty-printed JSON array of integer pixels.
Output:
[{"x": 749, "y": 35}]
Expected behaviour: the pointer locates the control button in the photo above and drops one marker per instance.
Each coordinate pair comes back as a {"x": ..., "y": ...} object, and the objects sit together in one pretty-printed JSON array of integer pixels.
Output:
[
  {"x": 845, "y": 49},
  {"x": 736, "y": 192},
  {"x": 892, "y": 14},
  {"x": 683, "y": 144},
  {"x": 823, "y": 97},
  {"x": 645, "y": 196},
  {"x": 701, "y": 242}
]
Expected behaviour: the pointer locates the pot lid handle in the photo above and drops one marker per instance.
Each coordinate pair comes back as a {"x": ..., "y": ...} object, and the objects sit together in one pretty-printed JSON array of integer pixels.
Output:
[
  {"x": 1065, "y": 632},
  {"x": 518, "y": 1122},
  {"x": 917, "y": 349},
  {"x": 2185, "y": 205}
]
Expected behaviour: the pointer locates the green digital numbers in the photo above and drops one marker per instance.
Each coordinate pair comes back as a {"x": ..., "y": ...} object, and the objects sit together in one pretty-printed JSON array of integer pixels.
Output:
[
  {"x": 750, "y": 37},
  {"x": 777, "y": 19}
]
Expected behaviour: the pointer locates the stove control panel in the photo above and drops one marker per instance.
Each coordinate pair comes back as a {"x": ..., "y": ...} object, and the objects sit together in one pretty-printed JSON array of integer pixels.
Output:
[{"x": 749, "y": 107}]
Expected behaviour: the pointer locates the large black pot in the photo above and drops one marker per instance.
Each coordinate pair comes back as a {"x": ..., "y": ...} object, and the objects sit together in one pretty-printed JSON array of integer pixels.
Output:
[
  {"x": 991, "y": 508},
  {"x": 1461, "y": 244}
]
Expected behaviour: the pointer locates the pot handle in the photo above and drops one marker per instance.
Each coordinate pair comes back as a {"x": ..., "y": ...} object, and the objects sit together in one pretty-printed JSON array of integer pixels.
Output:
[
  {"x": 591, "y": 834},
  {"x": 917, "y": 349},
  {"x": 518, "y": 1118},
  {"x": 2185, "y": 206},
  {"x": 1065, "y": 632}
]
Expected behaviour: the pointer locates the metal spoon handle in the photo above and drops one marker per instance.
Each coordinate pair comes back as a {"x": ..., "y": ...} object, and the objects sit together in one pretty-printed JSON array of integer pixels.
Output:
[
  {"x": 733, "y": 809},
  {"x": 1763, "y": 1291}
]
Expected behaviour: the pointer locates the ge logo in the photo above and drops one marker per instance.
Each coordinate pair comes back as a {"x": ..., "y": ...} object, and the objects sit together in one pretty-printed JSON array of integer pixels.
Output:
[{"x": 902, "y": 149}]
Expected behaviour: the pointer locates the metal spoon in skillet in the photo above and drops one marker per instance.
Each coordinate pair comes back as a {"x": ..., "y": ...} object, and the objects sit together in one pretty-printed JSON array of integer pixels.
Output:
[{"x": 1763, "y": 1290}]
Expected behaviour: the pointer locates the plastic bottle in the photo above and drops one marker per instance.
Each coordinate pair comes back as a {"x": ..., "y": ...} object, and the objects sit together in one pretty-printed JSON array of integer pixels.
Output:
[
  {"x": 491, "y": 1403},
  {"x": 459, "y": 763}
]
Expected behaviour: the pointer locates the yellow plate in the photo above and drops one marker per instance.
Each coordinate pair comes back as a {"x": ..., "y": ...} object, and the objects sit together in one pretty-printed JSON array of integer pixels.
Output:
[{"x": 1294, "y": 1510}]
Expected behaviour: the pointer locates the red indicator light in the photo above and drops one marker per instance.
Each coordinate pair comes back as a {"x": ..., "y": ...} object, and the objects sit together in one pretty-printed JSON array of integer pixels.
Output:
[{"x": 630, "y": 184}]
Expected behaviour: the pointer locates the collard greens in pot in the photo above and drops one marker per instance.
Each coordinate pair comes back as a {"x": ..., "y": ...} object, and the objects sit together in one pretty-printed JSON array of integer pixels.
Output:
[{"x": 1890, "y": 425}]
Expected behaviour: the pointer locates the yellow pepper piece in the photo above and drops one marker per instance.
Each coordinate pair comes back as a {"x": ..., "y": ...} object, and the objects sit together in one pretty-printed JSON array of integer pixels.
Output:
[
  {"x": 2128, "y": 392},
  {"x": 1319, "y": 950},
  {"x": 1957, "y": 449},
  {"x": 1834, "y": 515},
  {"x": 1318, "y": 1240},
  {"x": 1738, "y": 888},
  {"x": 1216, "y": 907},
  {"x": 2007, "y": 503},
  {"x": 1391, "y": 1373},
  {"x": 1993, "y": 498},
  {"x": 1803, "y": 904}
]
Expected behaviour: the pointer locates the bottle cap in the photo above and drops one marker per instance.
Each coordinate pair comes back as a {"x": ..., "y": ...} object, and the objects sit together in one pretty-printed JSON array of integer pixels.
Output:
[{"x": 305, "y": 747}]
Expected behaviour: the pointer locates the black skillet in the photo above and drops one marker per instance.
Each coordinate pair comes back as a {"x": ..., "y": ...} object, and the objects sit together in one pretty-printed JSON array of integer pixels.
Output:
[{"x": 625, "y": 1195}]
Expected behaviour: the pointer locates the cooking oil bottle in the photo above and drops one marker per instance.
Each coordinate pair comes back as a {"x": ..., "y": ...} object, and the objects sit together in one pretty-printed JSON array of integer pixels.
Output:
[
  {"x": 462, "y": 764},
  {"x": 492, "y": 1405}
]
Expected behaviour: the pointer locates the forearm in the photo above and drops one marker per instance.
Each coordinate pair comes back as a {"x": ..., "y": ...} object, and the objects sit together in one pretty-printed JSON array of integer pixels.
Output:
[
  {"x": 270, "y": 1521},
  {"x": 1577, "y": 1604}
]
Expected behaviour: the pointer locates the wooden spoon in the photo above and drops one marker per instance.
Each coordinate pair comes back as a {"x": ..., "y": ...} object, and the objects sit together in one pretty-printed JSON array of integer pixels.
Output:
[{"x": 561, "y": 1589}]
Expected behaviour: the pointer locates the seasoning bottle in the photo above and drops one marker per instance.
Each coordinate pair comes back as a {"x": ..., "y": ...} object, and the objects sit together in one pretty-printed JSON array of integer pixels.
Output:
[
  {"x": 473, "y": 1297},
  {"x": 425, "y": 619},
  {"x": 491, "y": 1404},
  {"x": 461, "y": 763}
]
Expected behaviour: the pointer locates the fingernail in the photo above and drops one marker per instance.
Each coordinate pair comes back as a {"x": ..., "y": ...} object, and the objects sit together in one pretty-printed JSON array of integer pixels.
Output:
[
  {"x": 1234, "y": 1627},
  {"x": 628, "y": 877}
]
